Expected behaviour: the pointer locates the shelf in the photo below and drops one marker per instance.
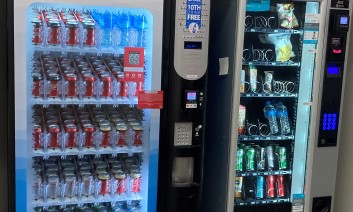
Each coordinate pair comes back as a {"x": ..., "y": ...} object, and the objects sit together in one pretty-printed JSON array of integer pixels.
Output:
[
  {"x": 271, "y": 63},
  {"x": 260, "y": 202},
  {"x": 265, "y": 173},
  {"x": 83, "y": 200},
  {"x": 85, "y": 101},
  {"x": 266, "y": 138},
  {"x": 294, "y": 95},
  {"x": 268, "y": 30},
  {"x": 86, "y": 151}
]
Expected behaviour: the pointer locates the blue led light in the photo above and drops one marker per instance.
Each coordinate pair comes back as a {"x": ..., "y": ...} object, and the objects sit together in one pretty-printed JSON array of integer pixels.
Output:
[
  {"x": 329, "y": 128},
  {"x": 325, "y": 115},
  {"x": 329, "y": 115},
  {"x": 334, "y": 115},
  {"x": 333, "y": 128},
  {"x": 324, "y": 128}
]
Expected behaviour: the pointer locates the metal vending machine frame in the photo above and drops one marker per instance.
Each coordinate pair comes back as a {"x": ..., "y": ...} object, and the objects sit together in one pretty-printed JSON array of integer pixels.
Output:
[
  {"x": 32, "y": 45},
  {"x": 310, "y": 190}
]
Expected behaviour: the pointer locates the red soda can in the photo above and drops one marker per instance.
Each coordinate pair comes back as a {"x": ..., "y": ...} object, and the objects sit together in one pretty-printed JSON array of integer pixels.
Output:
[
  {"x": 37, "y": 79},
  {"x": 37, "y": 132},
  {"x": 54, "y": 85},
  {"x": 138, "y": 88},
  {"x": 105, "y": 128},
  {"x": 120, "y": 176},
  {"x": 71, "y": 130},
  {"x": 37, "y": 32},
  {"x": 89, "y": 81},
  {"x": 104, "y": 177},
  {"x": 137, "y": 135},
  {"x": 122, "y": 129},
  {"x": 90, "y": 33},
  {"x": 72, "y": 85},
  {"x": 123, "y": 86},
  {"x": 88, "y": 129},
  {"x": 106, "y": 79},
  {"x": 72, "y": 33},
  {"x": 54, "y": 136},
  {"x": 280, "y": 186},
  {"x": 54, "y": 32},
  {"x": 270, "y": 182},
  {"x": 136, "y": 181}
]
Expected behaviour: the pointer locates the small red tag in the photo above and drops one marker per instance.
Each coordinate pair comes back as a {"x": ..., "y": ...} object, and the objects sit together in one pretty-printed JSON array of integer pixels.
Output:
[{"x": 150, "y": 100}]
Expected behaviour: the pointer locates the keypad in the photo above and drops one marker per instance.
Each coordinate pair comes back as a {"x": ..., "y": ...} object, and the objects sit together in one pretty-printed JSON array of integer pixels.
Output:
[
  {"x": 329, "y": 122},
  {"x": 183, "y": 133}
]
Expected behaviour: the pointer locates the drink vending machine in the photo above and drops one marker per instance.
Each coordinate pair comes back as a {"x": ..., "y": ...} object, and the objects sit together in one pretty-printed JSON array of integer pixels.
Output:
[
  {"x": 86, "y": 73},
  {"x": 273, "y": 104}
]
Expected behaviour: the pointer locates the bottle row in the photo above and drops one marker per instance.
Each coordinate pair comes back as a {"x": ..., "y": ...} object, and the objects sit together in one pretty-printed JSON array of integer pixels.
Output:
[
  {"x": 81, "y": 77},
  {"x": 65, "y": 180},
  {"x": 276, "y": 115},
  {"x": 86, "y": 128},
  {"x": 260, "y": 187},
  {"x": 126, "y": 206},
  {"x": 88, "y": 28},
  {"x": 252, "y": 83},
  {"x": 252, "y": 158}
]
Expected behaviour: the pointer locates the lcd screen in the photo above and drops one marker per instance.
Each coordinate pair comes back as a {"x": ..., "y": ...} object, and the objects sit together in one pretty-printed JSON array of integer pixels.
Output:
[
  {"x": 344, "y": 20},
  {"x": 192, "y": 45},
  {"x": 191, "y": 96}
]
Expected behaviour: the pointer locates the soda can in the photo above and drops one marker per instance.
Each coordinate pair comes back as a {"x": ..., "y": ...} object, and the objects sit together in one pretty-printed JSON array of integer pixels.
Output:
[
  {"x": 71, "y": 79},
  {"x": 261, "y": 159},
  {"x": 37, "y": 132},
  {"x": 239, "y": 159},
  {"x": 270, "y": 185},
  {"x": 270, "y": 157},
  {"x": 37, "y": 79},
  {"x": 250, "y": 159},
  {"x": 72, "y": 33},
  {"x": 54, "y": 32},
  {"x": 282, "y": 158},
  {"x": 238, "y": 189},
  {"x": 260, "y": 187},
  {"x": 136, "y": 181},
  {"x": 106, "y": 79},
  {"x": 280, "y": 186},
  {"x": 37, "y": 38},
  {"x": 137, "y": 135}
]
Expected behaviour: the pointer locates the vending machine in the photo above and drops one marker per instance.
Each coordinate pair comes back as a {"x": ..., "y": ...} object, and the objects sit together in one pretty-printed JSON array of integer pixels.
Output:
[
  {"x": 87, "y": 98},
  {"x": 273, "y": 104}
]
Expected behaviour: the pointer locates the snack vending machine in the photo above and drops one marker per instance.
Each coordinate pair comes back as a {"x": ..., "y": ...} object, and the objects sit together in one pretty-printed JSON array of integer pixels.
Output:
[
  {"x": 273, "y": 105},
  {"x": 86, "y": 137}
]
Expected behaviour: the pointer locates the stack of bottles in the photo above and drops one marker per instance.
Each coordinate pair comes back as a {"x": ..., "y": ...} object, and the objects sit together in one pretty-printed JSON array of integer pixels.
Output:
[
  {"x": 87, "y": 178},
  {"x": 86, "y": 128},
  {"x": 81, "y": 77},
  {"x": 260, "y": 187},
  {"x": 261, "y": 158},
  {"x": 90, "y": 28}
]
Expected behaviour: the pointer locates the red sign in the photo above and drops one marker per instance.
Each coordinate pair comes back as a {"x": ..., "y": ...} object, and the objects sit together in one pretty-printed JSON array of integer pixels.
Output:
[
  {"x": 150, "y": 100},
  {"x": 134, "y": 62}
]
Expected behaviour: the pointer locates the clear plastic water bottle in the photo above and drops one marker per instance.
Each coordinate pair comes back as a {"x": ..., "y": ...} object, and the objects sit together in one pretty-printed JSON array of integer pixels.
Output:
[
  {"x": 140, "y": 23},
  {"x": 270, "y": 114},
  {"x": 124, "y": 24},
  {"x": 282, "y": 115}
]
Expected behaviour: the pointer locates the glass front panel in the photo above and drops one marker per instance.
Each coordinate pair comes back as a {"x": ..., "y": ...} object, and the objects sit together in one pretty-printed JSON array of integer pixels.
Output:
[
  {"x": 86, "y": 146},
  {"x": 276, "y": 86}
]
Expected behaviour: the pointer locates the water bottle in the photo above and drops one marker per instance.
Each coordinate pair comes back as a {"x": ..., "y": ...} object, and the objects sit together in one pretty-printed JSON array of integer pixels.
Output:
[
  {"x": 140, "y": 23},
  {"x": 124, "y": 23},
  {"x": 270, "y": 114},
  {"x": 106, "y": 29},
  {"x": 282, "y": 115}
]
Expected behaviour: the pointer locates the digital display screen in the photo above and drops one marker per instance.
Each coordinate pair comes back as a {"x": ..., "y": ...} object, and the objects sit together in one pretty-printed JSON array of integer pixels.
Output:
[
  {"x": 344, "y": 20},
  {"x": 191, "y": 96},
  {"x": 333, "y": 70},
  {"x": 192, "y": 45}
]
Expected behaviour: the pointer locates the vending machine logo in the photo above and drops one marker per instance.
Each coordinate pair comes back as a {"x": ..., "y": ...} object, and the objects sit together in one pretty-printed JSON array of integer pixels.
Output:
[{"x": 193, "y": 15}]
